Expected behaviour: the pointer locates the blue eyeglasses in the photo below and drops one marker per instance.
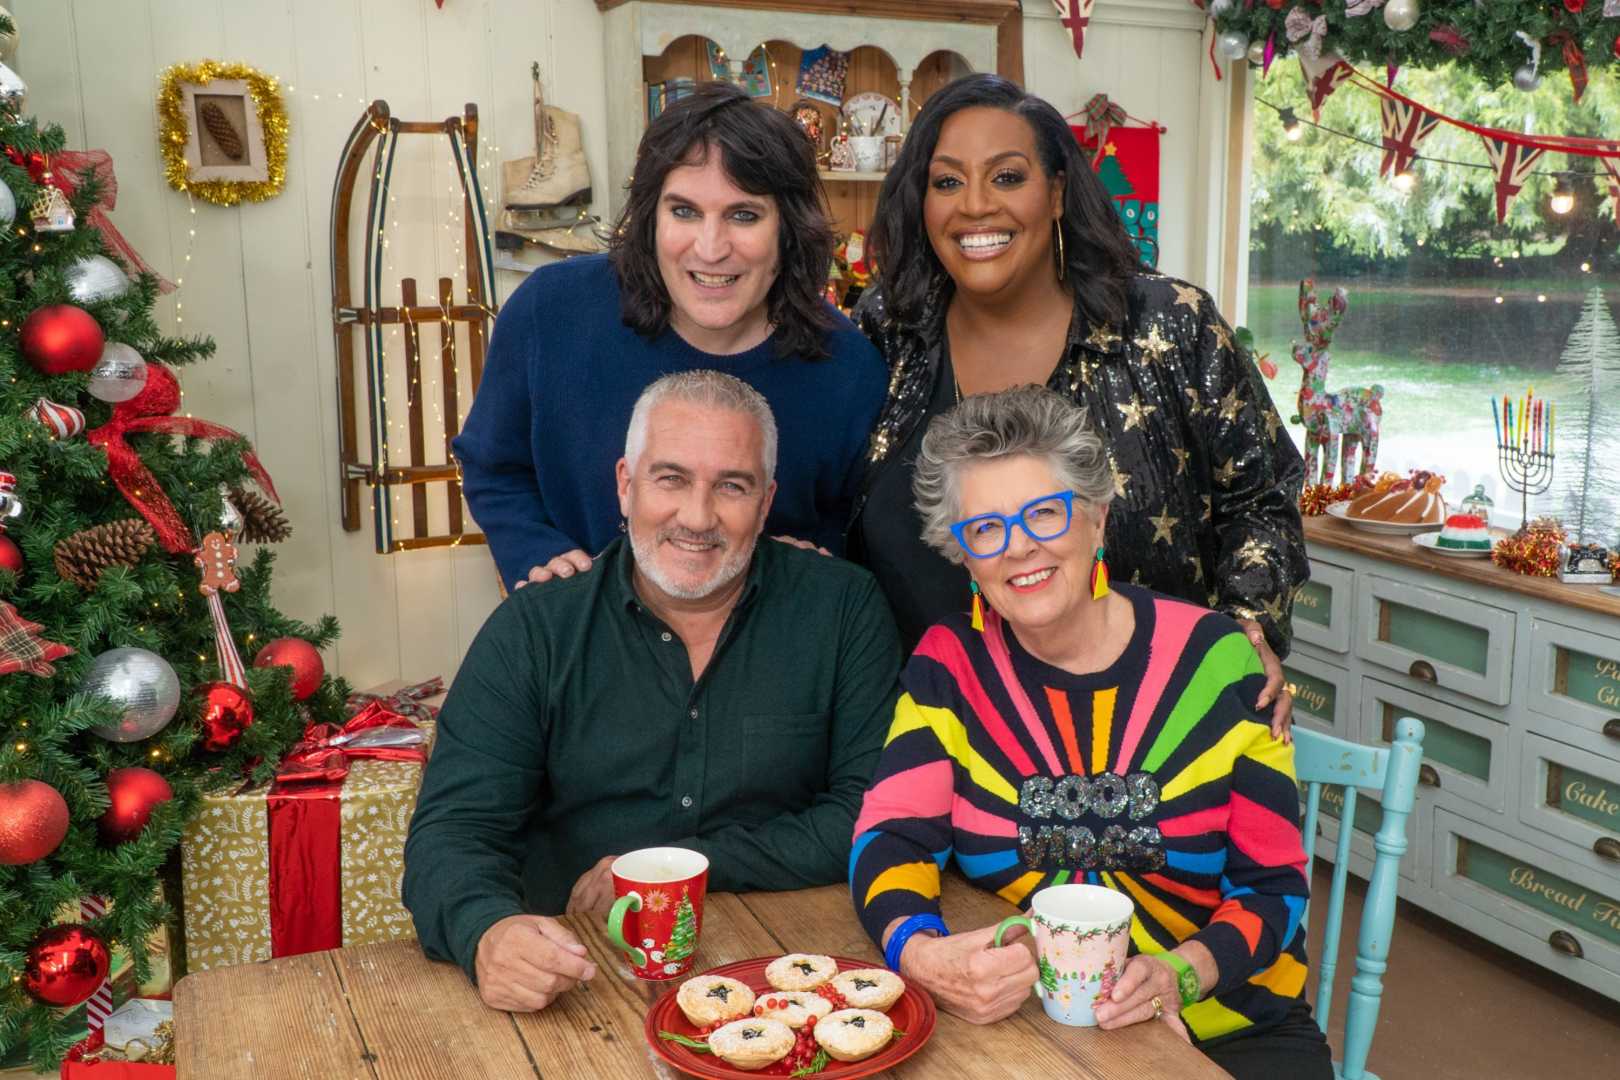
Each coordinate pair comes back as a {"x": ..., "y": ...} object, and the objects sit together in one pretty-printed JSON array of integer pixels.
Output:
[{"x": 985, "y": 536}]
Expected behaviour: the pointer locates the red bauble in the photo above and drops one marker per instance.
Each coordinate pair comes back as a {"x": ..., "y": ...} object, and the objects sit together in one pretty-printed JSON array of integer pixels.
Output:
[
  {"x": 226, "y": 713},
  {"x": 33, "y": 821},
  {"x": 301, "y": 656},
  {"x": 62, "y": 338},
  {"x": 65, "y": 966},
  {"x": 10, "y": 555},
  {"x": 134, "y": 793}
]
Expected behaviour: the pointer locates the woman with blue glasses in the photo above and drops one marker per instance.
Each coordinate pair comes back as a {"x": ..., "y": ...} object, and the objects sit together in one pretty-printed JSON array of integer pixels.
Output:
[{"x": 1073, "y": 729}]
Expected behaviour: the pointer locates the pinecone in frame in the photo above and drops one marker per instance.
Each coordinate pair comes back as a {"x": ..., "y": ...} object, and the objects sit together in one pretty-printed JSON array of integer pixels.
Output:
[
  {"x": 219, "y": 126},
  {"x": 263, "y": 522},
  {"x": 82, "y": 557}
]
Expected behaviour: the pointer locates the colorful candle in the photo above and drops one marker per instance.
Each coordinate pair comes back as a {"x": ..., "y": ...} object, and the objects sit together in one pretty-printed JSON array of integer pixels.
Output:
[{"x": 1496, "y": 422}]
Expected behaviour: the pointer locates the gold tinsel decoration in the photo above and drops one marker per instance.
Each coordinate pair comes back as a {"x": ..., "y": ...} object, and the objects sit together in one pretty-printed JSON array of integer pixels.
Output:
[
  {"x": 1316, "y": 498},
  {"x": 265, "y": 92},
  {"x": 1533, "y": 551}
]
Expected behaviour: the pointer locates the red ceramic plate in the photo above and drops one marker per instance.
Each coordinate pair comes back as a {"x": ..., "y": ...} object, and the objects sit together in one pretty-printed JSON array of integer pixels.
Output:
[{"x": 912, "y": 1014}]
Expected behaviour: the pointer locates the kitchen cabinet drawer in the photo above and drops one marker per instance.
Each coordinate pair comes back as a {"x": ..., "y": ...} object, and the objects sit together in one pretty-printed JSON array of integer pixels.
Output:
[
  {"x": 1575, "y": 678},
  {"x": 1323, "y": 606},
  {"x": 1432, "y": 637},
  {"x": 1321, "y": 694},
  {"x": 1573, "y": 911},
  {"x": 1574, "y": 795},
  {"x": 1465, "y": 755}
]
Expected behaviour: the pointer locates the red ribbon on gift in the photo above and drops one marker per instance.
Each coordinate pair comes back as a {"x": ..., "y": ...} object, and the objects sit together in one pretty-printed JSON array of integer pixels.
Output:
[
  {"x": 149, "y": 411},
  {"x": 406, "y": 701},
  {"x": 306, "y": 815}
]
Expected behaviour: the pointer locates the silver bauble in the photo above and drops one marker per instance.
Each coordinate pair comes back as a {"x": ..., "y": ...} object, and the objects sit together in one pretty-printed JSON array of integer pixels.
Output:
[
  {"x": 119, "y": 375},
  {"x": 1217, "y": 8},
  {"x": 13, "y": 91},
  {"x": 1257, "y": 53},
  {"x": 230, "y": 518},
  {"x": 8, "y": 40},
  {"x": 1526, "y": 78},
  {"x": 143, "y": 684},
  {"x": 1232, "y": 44},
  {"x": 96, "y": 277},
  {"x": 8, "y": 206},
  {"x": 1401, "y": 14}
]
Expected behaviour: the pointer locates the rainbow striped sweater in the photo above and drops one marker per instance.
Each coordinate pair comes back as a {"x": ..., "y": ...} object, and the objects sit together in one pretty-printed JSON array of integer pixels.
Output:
[{"x": 1154, "y": 777}]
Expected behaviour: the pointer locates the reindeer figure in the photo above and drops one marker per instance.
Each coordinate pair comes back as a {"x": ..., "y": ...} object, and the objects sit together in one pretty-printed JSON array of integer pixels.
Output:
[{"x": 1350, "y": 415}]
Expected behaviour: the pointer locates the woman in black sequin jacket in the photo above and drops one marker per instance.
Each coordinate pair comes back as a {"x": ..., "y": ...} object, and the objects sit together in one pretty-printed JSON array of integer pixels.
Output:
[{"x": 1022, "y": 273}]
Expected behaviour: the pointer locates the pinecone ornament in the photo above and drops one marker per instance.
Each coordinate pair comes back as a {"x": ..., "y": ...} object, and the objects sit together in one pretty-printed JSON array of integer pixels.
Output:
[
  {"x": 262, "y": 520},
  {"x": 82, "y": 557}
]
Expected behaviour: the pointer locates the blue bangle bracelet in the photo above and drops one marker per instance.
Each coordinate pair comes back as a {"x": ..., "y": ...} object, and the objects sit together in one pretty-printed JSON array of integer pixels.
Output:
[{"x": 903, "y": 932}]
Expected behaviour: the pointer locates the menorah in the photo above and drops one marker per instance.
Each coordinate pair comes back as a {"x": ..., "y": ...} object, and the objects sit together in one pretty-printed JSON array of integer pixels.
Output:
[{"x": 1527, "y": 471}]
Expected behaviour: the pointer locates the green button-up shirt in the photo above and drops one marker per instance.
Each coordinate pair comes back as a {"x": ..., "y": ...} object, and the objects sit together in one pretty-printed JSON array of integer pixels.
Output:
[{"x": 575, "y": 730}]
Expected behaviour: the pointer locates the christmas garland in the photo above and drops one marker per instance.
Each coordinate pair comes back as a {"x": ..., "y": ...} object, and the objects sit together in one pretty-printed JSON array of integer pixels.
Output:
[{"x": 1492, "y": 40}]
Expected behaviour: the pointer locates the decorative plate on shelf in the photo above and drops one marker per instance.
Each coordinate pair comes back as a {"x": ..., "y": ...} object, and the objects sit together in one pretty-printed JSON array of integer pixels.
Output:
[
  {"x": 872, "y": 114},
  {"x": 1341, "y": 510},
  {"x": 912, "y": 1014},
  {"x": 1428, "y": 542}
]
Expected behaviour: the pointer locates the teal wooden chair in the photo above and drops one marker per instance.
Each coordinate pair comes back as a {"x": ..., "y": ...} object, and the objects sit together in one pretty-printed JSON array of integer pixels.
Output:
[{"x": 1322, "y": 759}]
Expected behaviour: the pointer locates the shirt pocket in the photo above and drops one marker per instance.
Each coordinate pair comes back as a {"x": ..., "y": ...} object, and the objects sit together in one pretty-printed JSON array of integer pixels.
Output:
[{"x": 785, "y": 758}]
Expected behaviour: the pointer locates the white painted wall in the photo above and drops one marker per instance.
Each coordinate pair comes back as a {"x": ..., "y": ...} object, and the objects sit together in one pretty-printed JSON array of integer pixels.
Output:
[{"x": 257, "y": 279}]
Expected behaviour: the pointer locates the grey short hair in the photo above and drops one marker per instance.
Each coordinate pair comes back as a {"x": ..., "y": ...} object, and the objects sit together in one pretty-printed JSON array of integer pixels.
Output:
[
  {"x": 713, "y": 389},
  {"x": 1027, "y": 420}
]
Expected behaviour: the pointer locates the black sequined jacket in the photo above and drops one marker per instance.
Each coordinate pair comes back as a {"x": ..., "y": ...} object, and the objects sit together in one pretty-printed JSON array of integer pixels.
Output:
[{"x": 1206, "y": 479}]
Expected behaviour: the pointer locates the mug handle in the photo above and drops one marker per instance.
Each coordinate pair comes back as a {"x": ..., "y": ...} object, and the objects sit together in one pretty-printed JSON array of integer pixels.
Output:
[
  {"x": 1007, "y": 924},
  {"x": 615, "y": 928}
]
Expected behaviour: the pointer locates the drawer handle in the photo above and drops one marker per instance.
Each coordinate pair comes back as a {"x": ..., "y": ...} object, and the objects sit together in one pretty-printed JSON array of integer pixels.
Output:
[
  {"x": 1612, "y": 728},
  {"x": 1565, "y": 943},
  {"x": 1428, "y": 776},
  {"x": 1422, "y": 669},
  {"x": 1607, "y": 847}
]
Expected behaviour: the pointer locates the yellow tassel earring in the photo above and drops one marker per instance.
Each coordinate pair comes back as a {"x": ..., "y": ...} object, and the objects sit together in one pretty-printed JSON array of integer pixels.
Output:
[
  {"x": 1099, "y": 577},
  {"x": 978, "y": 605}
]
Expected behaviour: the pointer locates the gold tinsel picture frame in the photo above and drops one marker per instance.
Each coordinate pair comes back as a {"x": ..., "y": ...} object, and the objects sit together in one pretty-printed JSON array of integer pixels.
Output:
[{"x": 222, "y": 129}]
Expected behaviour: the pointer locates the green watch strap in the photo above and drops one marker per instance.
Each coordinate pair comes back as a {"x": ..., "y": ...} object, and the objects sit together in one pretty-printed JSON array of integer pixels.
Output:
[{"x": 1186, "y": 978}]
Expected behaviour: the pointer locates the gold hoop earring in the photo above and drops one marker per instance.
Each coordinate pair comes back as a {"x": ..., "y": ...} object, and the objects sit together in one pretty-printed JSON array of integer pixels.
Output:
[{"x": 1062, "y": 262}]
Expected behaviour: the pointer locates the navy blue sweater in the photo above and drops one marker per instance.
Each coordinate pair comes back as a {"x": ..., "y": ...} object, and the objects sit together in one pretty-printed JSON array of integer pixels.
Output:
[{"x": 564, "y": 371}]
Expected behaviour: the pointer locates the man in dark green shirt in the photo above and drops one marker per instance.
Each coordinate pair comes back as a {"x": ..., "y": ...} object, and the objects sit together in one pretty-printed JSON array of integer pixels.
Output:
[{"x": 694, "y": 688}]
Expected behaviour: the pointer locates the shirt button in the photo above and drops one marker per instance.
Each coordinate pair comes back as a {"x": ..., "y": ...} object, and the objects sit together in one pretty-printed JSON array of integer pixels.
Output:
[
  {"x": 693, "y": 714},
  {"x": 686, "y": 802},
  {"x": 666, "y": 635}
]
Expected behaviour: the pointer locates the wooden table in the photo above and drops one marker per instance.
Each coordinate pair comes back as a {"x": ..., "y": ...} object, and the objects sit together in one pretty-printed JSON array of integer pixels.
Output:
[{"x": 386, "y": 1012}]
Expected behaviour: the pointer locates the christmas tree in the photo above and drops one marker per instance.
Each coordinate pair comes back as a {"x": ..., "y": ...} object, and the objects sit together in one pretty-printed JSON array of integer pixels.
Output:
[
  {"x": 682, "y": 939},
  {"x": 1587, "y": 436},
  {"x": 1048, "y": 975},
  {"x": 119, "y": 703}
]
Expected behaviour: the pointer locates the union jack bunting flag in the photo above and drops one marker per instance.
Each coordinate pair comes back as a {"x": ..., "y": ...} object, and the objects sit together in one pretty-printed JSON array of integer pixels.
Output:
[
  {"x": 1405, "y": 125},
  {"x": 1512, "y": 162},
  {"x": 1322, "y": 77},
  {"x": 1075, "y": 15}
]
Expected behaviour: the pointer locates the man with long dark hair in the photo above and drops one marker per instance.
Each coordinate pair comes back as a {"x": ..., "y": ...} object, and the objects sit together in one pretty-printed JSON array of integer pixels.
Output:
[{"x": 719, "y": 261}]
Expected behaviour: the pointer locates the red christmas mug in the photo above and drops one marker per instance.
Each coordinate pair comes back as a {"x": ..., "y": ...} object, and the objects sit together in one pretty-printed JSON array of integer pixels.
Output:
[{"x": 659, "y": 911}]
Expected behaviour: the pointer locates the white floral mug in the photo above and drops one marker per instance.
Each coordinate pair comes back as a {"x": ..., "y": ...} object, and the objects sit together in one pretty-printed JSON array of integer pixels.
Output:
[{"x": 1081, "y": 936}]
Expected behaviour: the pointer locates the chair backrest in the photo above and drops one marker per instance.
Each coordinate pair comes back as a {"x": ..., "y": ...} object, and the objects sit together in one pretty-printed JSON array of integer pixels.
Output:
[{"x": 1322, "y": 759}]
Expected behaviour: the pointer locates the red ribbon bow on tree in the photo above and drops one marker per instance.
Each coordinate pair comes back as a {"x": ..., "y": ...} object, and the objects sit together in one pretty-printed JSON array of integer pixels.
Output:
[
  {"x": 65, "y": 168},
  {"x": 149, "y": 411}
]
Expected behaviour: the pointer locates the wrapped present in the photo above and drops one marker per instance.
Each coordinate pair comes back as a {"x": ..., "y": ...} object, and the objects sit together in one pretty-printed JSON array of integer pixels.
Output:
[{"x": 314, "y": 859}]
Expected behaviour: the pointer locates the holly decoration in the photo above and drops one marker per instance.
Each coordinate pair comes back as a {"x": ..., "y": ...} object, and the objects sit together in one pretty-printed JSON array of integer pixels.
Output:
[
  {"x": 65, "y": 965},
  {"x": 133, "y": 794},
  {"x": 683, "y": 939},
  {"x": 33, "y": 821}
]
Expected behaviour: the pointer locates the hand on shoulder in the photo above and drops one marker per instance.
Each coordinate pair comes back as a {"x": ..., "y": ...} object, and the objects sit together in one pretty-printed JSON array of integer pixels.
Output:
[{"x": 565, "y": 565}]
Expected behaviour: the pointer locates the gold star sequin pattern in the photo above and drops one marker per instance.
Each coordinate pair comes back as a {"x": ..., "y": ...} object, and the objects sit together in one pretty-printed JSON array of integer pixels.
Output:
[
  {"x": 1195, "y": 404},
  {"x": 1209, "y": 506},
  {"x": 1134, "y": 412},
  {"x": 1273, "y": 423},
  {"x": 1197, "y": 567},
  {"x": 1103, "y": 337},
  {"x": 1227, "y": 473},
  {"x": 1230, "y": 405},
  {"x": 1252, "y": 553},
  {"x": 1121, "y": 481},
  {"x": 1154, "y": 344},
  {"x": 1186, "y": 294},
  {"x": 1181, "y": 459},
  {"x": 1273, "y": 608},
  {"x": 1223, "y": 334},
  {"x": 1162, "y": 526}
]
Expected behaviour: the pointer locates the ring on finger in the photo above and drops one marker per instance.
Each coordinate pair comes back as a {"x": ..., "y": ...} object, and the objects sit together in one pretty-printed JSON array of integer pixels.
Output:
[{"x": 1158, "y": 1007}]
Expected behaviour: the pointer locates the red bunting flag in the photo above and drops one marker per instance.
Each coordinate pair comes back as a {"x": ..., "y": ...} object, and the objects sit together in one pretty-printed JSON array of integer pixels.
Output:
[
  {"x": 1075, "y": 15},
  {"x": 1405, "y": 125},
  {"x": 1323, "y": 76},
  {"x": 1512, "y": 162}
]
